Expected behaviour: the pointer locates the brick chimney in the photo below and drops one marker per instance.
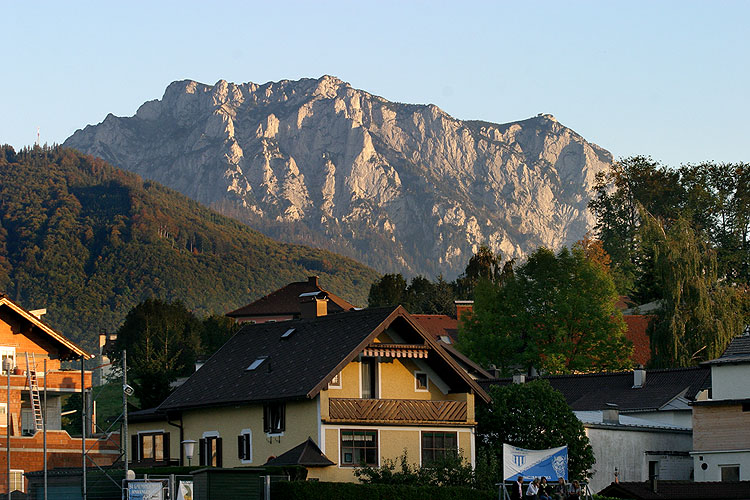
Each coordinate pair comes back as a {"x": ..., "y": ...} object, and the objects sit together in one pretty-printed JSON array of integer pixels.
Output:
[
  {"x": 313, "y": 304},
  {"x": 464, "y": 308}
]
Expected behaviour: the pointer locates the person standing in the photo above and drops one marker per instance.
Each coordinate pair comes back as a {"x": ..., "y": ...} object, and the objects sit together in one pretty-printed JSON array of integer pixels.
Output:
[
  {"x": 532, "y": 492},
  {"x": 545, "y": 491},
  {"x": 517, "y": 492}
]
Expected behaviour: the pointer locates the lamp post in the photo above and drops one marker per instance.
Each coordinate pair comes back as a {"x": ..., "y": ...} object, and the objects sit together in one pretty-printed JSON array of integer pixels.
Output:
[
  {"x": 189, "y": 447},
  {"x": 7, "y": 366}
]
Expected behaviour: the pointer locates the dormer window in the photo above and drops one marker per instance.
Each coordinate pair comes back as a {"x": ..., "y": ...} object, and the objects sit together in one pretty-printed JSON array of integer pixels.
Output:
[{"x": 255, "y": 364}]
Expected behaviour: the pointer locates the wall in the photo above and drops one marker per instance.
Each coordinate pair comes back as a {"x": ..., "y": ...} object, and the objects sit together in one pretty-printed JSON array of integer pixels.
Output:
[
  {"x": 392, "y": 441},
  {"x": 730, "y": 381},
  {"x": 713, "y": 461},
  {"x": 626, "y": 450},
  {"x": 680, "y": 418},
  {"x": 229, "y": 422},
  {"x": 722, "y": 427}
]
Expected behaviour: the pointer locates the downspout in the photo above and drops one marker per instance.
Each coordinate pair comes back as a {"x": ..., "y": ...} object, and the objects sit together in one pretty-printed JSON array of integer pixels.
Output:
[{"x": 182, "y": 437}]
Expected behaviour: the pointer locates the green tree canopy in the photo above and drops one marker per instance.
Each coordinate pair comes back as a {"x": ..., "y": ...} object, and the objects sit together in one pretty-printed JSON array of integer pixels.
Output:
[
  {"x": 555, "y": 313},
  {"x": 699, "y": 314},
  {"x": 162, "y": 342},
  {"x": 389, "y": 290},
  {"x": 533, "y": 416}
]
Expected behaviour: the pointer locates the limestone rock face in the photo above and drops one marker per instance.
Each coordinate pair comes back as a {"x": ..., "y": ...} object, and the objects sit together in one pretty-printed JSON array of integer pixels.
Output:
[{"x": 400, "y": 187}]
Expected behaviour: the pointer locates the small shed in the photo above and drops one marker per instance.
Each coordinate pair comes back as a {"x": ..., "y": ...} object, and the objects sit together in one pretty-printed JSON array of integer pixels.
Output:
[{"x": 215, "y": 483}]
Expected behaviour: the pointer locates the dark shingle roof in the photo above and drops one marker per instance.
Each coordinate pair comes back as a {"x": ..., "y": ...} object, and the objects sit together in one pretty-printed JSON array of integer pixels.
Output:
[
  {"x": 285, "y": 301},
  {"x": 300, "y": 365},
  {"x": 680, "y": 490},
  {"x": 738, "y": 351},
  {"x": 306, "y": 454},
  {"x": 593, "y": 390}
]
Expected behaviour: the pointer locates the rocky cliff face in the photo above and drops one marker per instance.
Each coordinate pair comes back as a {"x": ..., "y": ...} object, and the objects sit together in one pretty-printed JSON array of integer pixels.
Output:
[{"x": 401, "y": 187}]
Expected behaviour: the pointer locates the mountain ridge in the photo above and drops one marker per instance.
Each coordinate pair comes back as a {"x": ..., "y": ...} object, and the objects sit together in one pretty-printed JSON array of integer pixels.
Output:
[{"x": 317, "y": 161}]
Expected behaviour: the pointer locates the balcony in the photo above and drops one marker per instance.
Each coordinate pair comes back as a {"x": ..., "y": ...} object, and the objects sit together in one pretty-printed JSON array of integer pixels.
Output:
[{"x": 404, "y": 411}]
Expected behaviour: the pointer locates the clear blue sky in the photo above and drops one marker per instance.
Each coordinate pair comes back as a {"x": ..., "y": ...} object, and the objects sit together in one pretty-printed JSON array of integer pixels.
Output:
[{"x": 666, "y": 79}]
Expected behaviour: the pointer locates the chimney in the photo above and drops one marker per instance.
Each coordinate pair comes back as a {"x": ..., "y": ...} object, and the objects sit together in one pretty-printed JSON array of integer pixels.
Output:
[
  {"x": 313, "y": 304},
  {"x": 639, "y": 377},
  {"x": 313, "y": 280},
  {"x": 464, "y": 308},
  {"x": 519, "y": 378},
  {"x": 610, "y": 414}
]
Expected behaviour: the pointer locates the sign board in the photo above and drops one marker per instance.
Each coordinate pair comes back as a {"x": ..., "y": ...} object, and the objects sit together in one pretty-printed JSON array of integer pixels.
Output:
[
  {"x": 145, "y": 489},
  {"x": 551, "y": 463},
  {"x": 185, "y": 490}
]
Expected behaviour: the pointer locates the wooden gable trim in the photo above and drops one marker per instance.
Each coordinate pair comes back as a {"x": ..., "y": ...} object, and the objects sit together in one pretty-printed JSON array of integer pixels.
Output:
[
  {"x": 402, "y": 313},
  {"x": 43, "y": 327}
]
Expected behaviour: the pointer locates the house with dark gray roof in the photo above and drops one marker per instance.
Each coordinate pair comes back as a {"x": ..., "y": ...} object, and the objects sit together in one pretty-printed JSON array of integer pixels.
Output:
[
  {"x": 637, "y": 421},
  {"x": 328, "y": 392},
  {"x": 721, "y": 422}
]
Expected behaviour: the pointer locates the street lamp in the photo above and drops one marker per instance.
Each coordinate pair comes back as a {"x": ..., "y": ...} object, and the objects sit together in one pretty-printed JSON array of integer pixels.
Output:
[{"x": 189, "y": 447}]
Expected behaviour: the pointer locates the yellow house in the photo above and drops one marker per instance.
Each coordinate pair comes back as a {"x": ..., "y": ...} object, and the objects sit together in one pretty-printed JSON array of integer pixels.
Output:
[{"x": 327, "y": 392}]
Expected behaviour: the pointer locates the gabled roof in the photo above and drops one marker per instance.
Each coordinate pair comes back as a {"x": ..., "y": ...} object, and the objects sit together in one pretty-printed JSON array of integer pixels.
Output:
[
  {"x": 306, "y": 454},
  {"x": 592, "y": 391},
  {"x": 300, "y": 365},
  {"x": 43, "y": 328},
  {"x": 738, "y": 351},
  {"x": 285, "y": 301},
  {"x": 679, "y": 490}
]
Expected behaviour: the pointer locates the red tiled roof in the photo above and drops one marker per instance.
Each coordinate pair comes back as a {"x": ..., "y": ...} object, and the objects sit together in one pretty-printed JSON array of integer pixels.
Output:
[
  {"x": 438, "y": 324},
  {"x": 285, "y": 301},
  {"x": 637, "y": 333}
]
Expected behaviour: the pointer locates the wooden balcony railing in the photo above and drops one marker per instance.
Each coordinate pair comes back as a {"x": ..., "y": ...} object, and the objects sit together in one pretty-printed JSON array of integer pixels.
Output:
[{"x": 396, "y": 410}]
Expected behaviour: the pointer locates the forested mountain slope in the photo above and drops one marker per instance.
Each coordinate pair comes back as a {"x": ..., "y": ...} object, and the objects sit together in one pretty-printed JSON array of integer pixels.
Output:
[{"x": 88, "y": 241}]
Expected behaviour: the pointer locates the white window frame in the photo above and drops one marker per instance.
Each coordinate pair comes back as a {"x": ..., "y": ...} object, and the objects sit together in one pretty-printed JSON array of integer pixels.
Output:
[
  {"x": 416, "y": 381},
  {"x": 335, "y": 382},
  {"x": 249, "y": 433},
  {"x": 23, "y": 481},
  {"x": 5, "y": 350}
]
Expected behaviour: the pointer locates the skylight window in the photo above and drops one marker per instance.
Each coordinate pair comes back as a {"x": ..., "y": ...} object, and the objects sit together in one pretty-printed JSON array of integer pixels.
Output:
[
  {"x": 287, "y": 333},
  {"x": 255, "y": 364}
]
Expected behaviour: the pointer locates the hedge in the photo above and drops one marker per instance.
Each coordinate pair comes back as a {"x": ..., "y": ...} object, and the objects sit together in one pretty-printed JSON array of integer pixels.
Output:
[{"x": 313, "y": 490}]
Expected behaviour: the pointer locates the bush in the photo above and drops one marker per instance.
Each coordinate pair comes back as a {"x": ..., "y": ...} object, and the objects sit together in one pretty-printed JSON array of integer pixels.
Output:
[{"x": 298, "y": 490}]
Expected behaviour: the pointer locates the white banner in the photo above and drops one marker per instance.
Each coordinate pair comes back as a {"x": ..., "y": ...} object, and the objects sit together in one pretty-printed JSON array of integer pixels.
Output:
[
  {"x": 143, "y": 489},
  {"x": 185, "y": 491},
  {"x": 551, "y": 463}
]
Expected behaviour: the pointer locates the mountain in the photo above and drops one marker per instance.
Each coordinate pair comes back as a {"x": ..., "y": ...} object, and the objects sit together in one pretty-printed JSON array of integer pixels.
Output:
[
  {"x": 400, "y": 187},
  {"x": 89, "y": 241}
]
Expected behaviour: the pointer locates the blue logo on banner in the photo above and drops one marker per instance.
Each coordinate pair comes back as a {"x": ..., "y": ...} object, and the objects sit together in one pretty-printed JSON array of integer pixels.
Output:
[{"x": 519, "y": 460}]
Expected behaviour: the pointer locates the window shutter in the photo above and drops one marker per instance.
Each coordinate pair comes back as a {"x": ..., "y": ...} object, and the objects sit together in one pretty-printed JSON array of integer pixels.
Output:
[
  {"x": 241, "y": 446},
  {"x": 202, "y": 451},
  {"x": 134, "y": 450},
  {"x": 218, "y": 452},
  {"x": 166, "y": 447}
]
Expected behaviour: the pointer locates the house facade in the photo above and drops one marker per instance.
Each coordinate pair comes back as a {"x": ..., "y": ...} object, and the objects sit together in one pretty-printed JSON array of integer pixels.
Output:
[
  {"x": 721, "y": 422},
  {"x": 347, "y": 389},
  {"x": 27, "y": 344},
  {"x": 638, "y": 422}
]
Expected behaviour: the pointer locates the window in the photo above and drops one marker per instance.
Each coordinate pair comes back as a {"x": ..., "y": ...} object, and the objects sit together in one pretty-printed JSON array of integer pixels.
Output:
[
  {"x": 420, "y": 382},
  {"x": 245, "y": 446},
  {"x": 359, "y": 447},
  {"x": 745, "y": 406},
  {"x": 730, "y": 473},
  {"x": 209, "y": 451},
  {"x": 255, "y": 364},
  {"x": 438, "y": 445},
  {"x": 335, "y": 382},
  {"x": 16, "y": 480},
  {"x": 3, "y": 416},
  {"x": 7, "y": 352},
  {"x": 287, "y": 333},
  {"x": 369, "y": 378},
  {"x": 152, "y": 447},
  {"x": 274, "y": 419}
]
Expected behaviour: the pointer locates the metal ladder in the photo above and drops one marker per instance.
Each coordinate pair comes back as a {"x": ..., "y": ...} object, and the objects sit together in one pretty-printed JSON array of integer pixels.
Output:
[{"x": 36, "y": 405}]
